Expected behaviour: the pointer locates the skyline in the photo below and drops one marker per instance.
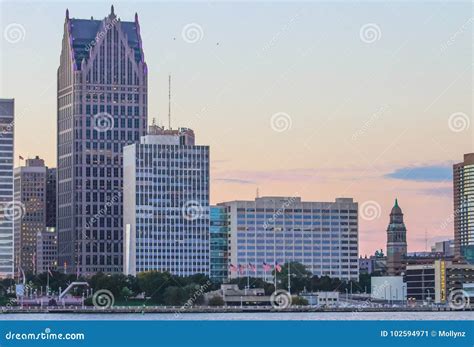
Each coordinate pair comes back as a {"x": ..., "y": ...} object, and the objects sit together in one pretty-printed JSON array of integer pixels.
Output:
[{"x": 370, "y": 133}]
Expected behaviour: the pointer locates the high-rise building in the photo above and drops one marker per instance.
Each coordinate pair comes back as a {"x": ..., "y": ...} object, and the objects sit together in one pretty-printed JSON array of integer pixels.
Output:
[
  {"x": 463, "y": 176},
  {"x": 46, "y": 250},
  {"x": 30, "y": 198},
  {"x": 396, "y": 242},
  {"x": 166, "y": 204},
  {"x": 323, "y": 236},
  {"x": 51, "y": 198},
  {"x": 7, "y": 210},
  {"x": 102, "y": 107},
  {"x": 219, "y": 243}
]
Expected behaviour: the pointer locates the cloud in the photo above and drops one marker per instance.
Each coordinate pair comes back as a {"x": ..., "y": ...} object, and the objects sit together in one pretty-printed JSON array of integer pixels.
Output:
[
  {"x": 430, "y": 173},
  {"x": 446, "y": 192},
  {"x": 235, "y": 180}
]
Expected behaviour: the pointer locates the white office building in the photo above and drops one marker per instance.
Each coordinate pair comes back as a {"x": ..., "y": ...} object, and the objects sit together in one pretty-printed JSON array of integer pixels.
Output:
[
  {"x": 323, "y": 236},
  {"x": 166, "y": 204},
  {"x": 8, "y": 212}
]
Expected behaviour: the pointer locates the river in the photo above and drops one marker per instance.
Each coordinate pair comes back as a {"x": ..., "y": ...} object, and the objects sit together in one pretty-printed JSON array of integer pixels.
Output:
[{"x": 466, "y": 315}]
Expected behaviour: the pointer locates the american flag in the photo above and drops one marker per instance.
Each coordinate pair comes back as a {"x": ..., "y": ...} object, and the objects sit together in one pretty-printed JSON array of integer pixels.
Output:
[
  {"x": 277, "y": 267},
  {"x": 232, "y": 268},
  {"x": 266, "y": 267},
  {"x": 252, "y": 267},
  {"x": 241, "y": 269}
]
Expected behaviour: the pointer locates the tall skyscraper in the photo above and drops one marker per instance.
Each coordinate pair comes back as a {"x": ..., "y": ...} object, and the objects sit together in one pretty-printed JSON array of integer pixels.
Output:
[
  {"x": 30, "y": 198},
  {"x": 396, "y": 242},
  {"x": 51, "y": 198},
  {"x": 219, "y": 243},
  {"x": 8, "y": 213},
  {"x": 166, "y": 204},
  {"x": 463, "y": 176},
  {"x": 323, "y": 236},
  {"x": 102, "y": 106}
]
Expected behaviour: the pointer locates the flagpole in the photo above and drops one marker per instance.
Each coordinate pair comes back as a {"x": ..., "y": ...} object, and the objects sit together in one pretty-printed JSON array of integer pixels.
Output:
[
  {"x": 275, "y": 277},
  {"x": 289, "y": 277},
  {"x": 248, "y": 278},
  {"x": 47, "y": 283}
]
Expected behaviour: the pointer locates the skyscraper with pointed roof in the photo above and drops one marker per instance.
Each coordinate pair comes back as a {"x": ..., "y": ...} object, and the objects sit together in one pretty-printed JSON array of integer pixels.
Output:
[
  {"x": 101, "y": 107},
  {"x": 396, "y": 242}
]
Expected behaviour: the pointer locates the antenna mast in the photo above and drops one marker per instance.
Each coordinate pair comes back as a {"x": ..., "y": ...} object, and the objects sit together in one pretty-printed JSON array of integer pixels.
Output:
[{"x": 169, "y": 102}]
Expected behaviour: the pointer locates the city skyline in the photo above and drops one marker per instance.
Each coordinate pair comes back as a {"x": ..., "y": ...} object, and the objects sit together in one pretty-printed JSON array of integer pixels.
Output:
[{"x": 369, "y": 134}]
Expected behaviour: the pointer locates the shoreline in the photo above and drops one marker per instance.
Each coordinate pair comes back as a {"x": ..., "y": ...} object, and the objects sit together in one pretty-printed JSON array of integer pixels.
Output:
[{"x": 182, "y": 310}]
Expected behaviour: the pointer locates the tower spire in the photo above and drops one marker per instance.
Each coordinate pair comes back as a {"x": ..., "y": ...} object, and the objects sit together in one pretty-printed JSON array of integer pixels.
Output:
[
  {"x": 67, "y": 14},
  {"x": 396, "y": 202}
]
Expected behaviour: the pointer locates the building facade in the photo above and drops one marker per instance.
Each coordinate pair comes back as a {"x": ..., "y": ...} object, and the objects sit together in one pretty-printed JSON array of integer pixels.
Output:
[
  {"x": 396, "y": 242},
  {"x": 8, "y": 210},
  {"x": 51, "y": 198},
  {"x": 102, "y": 107},
  {"x": 166, "y": 204},
  {"x": 323, "y": 236},
  {"x": 437, "y": 282},
  {"x": 30, "y": 198},
  {"x": 46, "y": 250},
  {"x": 219, "y": 243},
  {"x": 445, "y": 248},
  {"x": 463, "y": 179}
]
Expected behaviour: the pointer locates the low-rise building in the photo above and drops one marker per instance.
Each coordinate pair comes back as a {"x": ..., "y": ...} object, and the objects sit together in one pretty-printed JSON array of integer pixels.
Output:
[
  {"x": 437, "y": 281},
  {"x": 389, "y": 288},
  {"x": 327, "y": 299}
]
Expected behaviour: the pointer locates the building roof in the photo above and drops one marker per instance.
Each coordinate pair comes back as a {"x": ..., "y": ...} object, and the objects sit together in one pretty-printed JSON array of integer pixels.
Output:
[
  {"x": 396, "y": 209},
  {"x": 84, "y": 33}
]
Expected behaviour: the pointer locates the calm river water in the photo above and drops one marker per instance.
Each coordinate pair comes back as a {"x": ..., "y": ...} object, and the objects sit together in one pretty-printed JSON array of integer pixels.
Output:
[{"x": 248, "y": 316}]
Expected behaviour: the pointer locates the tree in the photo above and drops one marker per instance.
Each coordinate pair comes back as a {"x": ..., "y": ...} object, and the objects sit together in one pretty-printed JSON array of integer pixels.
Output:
[
  {"x": 299, "y": 301},
  {"x": 174, "y": 296},
  {"x": 300, "y": 277},
  {"x": 126, "y": 293},
  {"x": 216, "y": 300},
  {"x": 154, "y": 284}
]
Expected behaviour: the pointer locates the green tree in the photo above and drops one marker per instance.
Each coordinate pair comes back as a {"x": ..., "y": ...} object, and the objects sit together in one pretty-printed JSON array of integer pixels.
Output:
[
  {"x": 125, "y": 293},
  {"x": 300, "y": 277},
  {"x": 216, "y": 300},
  {"x": 299, "y": 301},
  {"x": 154, "y": 284},
  {"x": 174, "y": 296}
]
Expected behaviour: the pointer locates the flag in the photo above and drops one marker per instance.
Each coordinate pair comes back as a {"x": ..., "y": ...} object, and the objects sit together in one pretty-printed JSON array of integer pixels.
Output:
[
  {"x": 232, "y": 268},
  {"x": 266, "y": 267},
  {"x": 252, "y": 267},
  {"x": 241, "y": 269},
  {"x": 21, "y": 158},
  {"x": 277, "y": 267}
]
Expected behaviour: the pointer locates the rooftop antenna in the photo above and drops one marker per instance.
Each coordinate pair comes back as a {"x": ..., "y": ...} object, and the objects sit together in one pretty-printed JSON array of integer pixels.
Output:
[
  {"x": 169, "y": 102},
  {"x": 258, "y": 193},
  {"x": 426, "y": 241}
]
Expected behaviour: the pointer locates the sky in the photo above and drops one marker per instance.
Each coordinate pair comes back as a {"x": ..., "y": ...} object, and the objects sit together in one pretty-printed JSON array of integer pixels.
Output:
[{"x": 369, "y": 100}]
